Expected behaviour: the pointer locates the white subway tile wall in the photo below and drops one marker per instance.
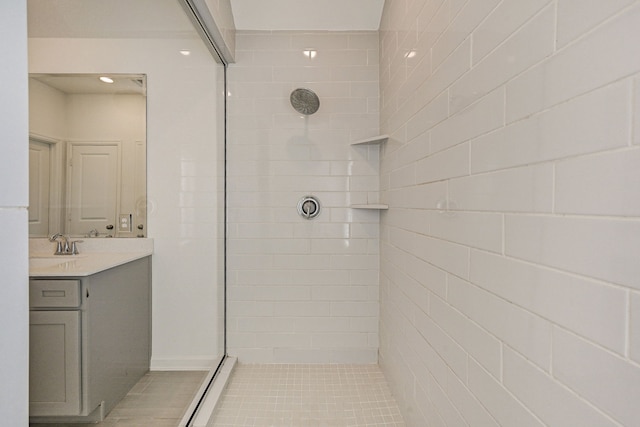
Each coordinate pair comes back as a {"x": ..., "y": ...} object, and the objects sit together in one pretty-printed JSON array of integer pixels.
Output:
[
  {"x": 303, "y": 291},
  {"x": 510, "y": 272}
]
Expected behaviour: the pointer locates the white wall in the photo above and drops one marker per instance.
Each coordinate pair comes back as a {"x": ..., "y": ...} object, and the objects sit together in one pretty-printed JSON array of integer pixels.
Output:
[
  {"x": 302, "y": 290},
  {"x": 14, "y": 198},
  {"x": 47, "y": 111},
  {"x": 510, "y": 290},
  {"x": 182, "y": 179}
]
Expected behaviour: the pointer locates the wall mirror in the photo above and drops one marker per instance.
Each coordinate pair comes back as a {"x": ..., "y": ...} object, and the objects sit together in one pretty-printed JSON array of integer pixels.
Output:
[{"x": 87, "y": 155}]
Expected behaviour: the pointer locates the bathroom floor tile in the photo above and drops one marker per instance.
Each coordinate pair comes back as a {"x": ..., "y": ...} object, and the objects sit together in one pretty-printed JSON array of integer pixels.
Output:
[
  {"x": 307, "y": 395},
  {"x": 159, "y": 399}
]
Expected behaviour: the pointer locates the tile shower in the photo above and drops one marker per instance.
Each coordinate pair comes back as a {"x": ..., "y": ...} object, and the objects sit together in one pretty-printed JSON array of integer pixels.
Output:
[
  {"x": 507, "y": 272},
  {"x": 302, "y": 291}
]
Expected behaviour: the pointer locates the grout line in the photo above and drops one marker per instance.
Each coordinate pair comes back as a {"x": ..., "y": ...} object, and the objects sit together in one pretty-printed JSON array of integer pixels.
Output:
[
  {"x": 555, "y": 26},
  {"x": 551, "y": 351},
  {"x": 628, "y": 314},
  {"x": 504, "y": 234},
  {"x": 553, "y": 187},
  {"x": 633, "y": 110}
]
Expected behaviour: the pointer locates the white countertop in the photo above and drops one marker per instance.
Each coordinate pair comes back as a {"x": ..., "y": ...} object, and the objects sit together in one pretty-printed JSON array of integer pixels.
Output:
[
  {"x": 79, "y": 265},
  {"x": 99, "y": 256}
]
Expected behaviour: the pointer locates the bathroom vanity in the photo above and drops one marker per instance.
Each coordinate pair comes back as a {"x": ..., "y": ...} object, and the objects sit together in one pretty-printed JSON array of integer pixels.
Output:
[{"x": 90, "y": 332}]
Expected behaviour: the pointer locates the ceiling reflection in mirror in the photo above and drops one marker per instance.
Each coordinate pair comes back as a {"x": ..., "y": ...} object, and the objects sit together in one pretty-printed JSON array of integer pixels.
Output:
[{"x": 87, "y": 155}]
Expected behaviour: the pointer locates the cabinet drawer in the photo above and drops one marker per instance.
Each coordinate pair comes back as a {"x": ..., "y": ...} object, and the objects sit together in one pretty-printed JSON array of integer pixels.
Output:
[{"x": 54, "y": 293}]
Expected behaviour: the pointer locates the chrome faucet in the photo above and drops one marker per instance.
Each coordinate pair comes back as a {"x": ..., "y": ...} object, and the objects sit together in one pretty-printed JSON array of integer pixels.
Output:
[
  {"x": 61, "y": 249},
  {"x": 65, "y": 247}
]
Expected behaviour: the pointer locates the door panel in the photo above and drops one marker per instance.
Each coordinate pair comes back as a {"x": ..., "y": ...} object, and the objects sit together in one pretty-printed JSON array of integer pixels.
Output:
[
  {"x": 39, "y": 188},
  {"x": 93, "y": 188}
]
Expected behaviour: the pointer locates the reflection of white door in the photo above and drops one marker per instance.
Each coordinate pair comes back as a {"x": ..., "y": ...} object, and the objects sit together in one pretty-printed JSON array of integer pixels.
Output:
[
  {"x": 93, "y": 188},
  {"x": 39, "y": 155},
  {"x": 140, "y": 180}
]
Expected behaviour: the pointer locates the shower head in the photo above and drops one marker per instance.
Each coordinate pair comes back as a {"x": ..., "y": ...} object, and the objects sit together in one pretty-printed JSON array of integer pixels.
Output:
[{"x": 304, "y": 101}]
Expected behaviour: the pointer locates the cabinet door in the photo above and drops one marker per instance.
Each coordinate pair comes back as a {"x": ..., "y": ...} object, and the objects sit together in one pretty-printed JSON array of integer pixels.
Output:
[{"x": 54, "y": 363}]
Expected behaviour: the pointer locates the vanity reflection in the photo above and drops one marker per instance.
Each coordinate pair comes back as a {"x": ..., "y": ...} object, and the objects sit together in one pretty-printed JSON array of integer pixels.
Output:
[{"x": 87, "y": 155}]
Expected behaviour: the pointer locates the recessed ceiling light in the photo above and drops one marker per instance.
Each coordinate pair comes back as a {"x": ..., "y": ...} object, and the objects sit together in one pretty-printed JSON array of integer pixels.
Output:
[
  {"x": 106, "y": 79},
  {"x": 310, "y": 53},
  {"x": 185, "y": 52},
  {"x": 410, "y": 54}
]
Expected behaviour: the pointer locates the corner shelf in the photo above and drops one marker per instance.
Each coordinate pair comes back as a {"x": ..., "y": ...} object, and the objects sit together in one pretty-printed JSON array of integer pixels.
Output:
[
  {"x": 374, "y": 140},
  {"x": 372, "y": 206},
  {"x": 380, "y": 139}
]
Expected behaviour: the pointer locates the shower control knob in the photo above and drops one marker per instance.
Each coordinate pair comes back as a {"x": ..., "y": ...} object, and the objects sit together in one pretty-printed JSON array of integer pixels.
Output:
[{"x": 309, "y": 207}]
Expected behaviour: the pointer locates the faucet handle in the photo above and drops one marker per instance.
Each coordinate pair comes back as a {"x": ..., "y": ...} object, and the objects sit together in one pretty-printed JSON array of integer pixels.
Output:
[
  {"x": 74, "y": 247},
  {"x": 62, "y": 247}
]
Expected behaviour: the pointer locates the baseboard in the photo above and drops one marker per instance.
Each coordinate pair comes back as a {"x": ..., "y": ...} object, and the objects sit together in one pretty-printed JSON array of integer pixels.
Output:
[{"x": 96, "y": 416}]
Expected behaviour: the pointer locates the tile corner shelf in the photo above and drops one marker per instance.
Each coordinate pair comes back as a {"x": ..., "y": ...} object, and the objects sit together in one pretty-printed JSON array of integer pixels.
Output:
[
  {"x": 371, "y": 206},
  {"x": 372, "y": 141}
]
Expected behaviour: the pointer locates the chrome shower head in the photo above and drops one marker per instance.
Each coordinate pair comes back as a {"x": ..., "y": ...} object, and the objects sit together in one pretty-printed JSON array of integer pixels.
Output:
[{"x": 304, "y": 101}]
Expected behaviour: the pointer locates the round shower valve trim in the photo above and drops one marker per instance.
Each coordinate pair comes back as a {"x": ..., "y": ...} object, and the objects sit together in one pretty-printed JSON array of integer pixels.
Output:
[{"x": 309, "y": 207}]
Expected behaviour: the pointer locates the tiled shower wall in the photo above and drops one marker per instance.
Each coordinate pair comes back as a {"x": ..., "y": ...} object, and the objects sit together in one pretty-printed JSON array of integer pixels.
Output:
[
  {"x": 510, "y": 276},
  {"x": 302, "y": 290}
]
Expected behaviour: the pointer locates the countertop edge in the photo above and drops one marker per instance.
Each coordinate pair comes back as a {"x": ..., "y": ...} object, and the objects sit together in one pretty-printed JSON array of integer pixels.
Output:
[{"x": 85, "y": 265}]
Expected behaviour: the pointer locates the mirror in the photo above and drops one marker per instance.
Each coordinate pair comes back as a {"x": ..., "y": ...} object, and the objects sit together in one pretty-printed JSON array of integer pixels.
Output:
[{"x": 87, "y": 155}]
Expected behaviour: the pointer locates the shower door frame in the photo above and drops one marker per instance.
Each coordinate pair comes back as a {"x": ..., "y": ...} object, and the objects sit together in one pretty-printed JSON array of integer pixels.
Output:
[{"x": 211, "y": 36}]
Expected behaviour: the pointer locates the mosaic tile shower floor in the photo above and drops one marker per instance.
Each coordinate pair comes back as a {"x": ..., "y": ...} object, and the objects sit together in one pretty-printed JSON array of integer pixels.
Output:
[{"x": 293, "y": 395}]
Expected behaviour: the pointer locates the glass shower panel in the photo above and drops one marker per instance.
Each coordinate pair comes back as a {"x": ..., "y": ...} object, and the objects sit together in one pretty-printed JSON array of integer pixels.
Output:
[{"x": 185, "y": 153}]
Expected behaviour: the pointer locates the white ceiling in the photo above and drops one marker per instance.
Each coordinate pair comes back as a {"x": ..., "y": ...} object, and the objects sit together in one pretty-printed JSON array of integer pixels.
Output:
[
  {"x": 157, "y": 18},
  {"x": 330, "y": 15},
  {"x": 108, "y": 18}
]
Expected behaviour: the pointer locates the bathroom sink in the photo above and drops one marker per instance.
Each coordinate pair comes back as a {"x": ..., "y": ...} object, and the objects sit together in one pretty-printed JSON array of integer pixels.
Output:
[{"x": 42, "y": 261}]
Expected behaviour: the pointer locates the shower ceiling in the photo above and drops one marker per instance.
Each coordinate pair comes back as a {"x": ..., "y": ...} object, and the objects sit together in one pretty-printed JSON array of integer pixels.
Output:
[{"x": 127, "y": 18}]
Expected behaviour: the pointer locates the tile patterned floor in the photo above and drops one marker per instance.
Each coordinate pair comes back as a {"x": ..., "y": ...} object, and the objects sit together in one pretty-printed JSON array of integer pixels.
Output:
[
  {"x": 307, "y": 395},
  {"x": 159, "y": 399}
]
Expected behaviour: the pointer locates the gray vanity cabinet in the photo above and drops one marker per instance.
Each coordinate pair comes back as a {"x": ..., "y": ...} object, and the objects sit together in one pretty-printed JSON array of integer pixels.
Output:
[
  {"x": 54, "y": 363},
  {"x": 90, "y": 341}
]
